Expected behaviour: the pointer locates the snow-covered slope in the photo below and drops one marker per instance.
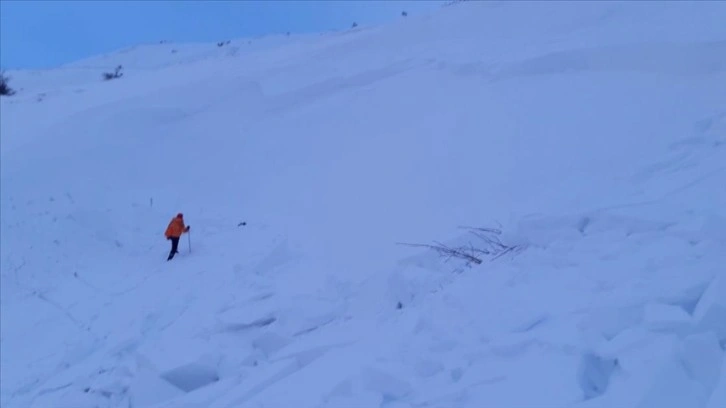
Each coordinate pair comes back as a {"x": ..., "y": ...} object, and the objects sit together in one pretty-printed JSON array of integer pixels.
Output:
[{"x": 593, "y": 135}]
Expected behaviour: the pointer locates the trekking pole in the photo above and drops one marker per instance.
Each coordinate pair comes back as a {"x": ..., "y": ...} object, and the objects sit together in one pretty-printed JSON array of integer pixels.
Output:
[{"x": 189, "y": 239}]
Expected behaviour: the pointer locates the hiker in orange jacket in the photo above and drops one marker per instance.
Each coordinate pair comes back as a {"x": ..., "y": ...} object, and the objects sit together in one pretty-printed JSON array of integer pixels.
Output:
[{"x": 174, "y": 231}]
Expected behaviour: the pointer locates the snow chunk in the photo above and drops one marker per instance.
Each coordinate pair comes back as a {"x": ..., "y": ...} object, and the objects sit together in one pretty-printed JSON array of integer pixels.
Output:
[
  {"x": 541, "y": 231},
  {"x": 673, "y": 388},
  {"x": 269, "y": 343},
  {"x": 710, "y": 313},
  {"x": 714, "y": 227},
  {"x": 190, "y": 377},
  {"x": 148, "y": 388},
  {"x": 364, "y": 399},
  {"x": 594, "y": 374},
  {"x": 659, "y": 317},
  {"x": 657, "y": 369},
  {"x": 626, "y": 341},
  {"x": 687, "y": 299},
  {"x": 702, "y": 357},
  {"x": 428, "y": 368},
  {"x": 391, "y": 387},
  {"x": 610, "y": 322},
  {"x": 718, "y": 396}
]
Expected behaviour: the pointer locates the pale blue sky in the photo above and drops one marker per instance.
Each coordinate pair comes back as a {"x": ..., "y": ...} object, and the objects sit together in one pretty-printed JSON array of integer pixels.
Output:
[{"x": 40, "y": 34}]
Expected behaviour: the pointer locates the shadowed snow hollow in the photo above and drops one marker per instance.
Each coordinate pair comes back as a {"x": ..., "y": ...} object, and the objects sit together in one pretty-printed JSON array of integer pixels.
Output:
[{"x": 566, "y": 162}]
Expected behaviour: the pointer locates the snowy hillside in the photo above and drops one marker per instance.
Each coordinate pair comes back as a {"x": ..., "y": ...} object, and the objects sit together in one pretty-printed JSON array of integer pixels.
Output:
[{"x": 591, "y": 135}]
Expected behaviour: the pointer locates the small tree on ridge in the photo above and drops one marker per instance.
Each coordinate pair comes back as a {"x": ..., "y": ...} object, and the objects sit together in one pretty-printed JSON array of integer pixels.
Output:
[{"x": 5, "y": 89}]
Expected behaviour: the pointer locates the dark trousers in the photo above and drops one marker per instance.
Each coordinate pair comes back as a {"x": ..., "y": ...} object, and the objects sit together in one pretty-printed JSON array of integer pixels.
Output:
[{"x": 174, "y": 246}]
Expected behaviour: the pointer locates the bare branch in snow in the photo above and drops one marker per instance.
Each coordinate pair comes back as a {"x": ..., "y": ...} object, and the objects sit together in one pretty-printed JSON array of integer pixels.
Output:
[
  {"x": 489, "y": 245},
  {"x": 116, "y": 74},
  {"x": 448, "y": 252}
]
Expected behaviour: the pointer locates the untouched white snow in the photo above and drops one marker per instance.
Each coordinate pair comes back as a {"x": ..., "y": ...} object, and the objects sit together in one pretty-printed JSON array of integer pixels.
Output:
[{"x": 592, "y": 134}]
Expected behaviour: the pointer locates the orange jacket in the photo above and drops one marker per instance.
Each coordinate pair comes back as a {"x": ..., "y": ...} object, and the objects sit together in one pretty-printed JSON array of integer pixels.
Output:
[{"x": 176, "y": 228}]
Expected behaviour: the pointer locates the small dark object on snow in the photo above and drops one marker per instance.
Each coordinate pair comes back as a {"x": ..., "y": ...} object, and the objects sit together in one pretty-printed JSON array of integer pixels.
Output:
[
  {"x": 5, "y": 89},
  {"x": 241, "y": 224},
  {"x": 399, "y": 306},
  {"x": 116, "y": 74}
]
